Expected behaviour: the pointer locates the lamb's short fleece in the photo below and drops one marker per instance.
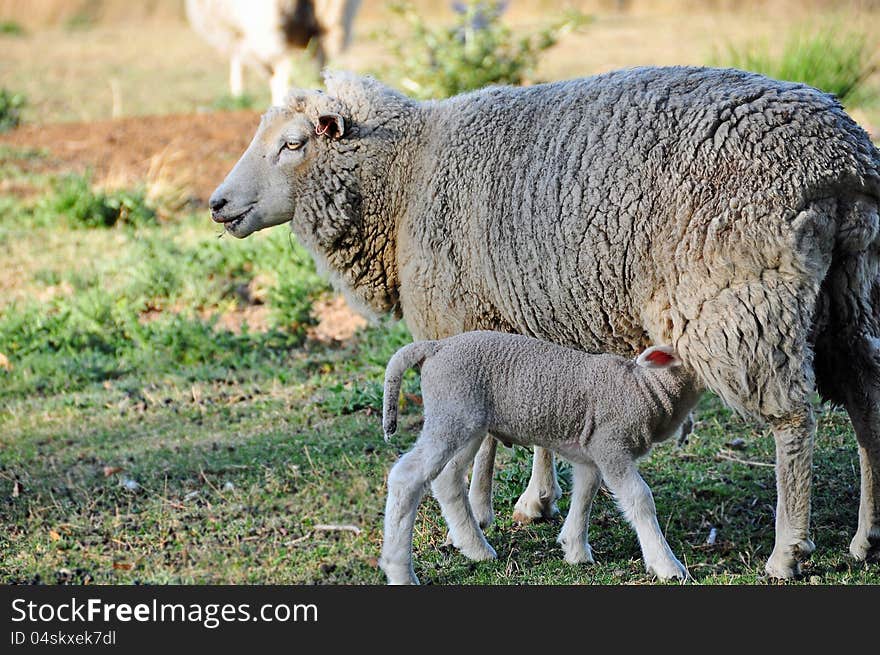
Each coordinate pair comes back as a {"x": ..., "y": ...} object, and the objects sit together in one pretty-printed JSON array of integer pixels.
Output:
[{"x": 601, "y": 412}]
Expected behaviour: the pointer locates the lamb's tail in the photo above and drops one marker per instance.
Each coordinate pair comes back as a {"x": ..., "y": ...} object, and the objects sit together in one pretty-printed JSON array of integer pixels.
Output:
[{"x": 403, "y": 360}]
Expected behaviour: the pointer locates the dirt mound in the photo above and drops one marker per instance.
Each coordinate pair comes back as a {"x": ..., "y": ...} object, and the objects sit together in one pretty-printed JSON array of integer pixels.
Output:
[{"x": 193, "y": 151}]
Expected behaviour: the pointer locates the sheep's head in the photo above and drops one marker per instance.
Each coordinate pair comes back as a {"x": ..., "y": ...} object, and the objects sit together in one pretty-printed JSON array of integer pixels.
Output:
[{"x": 283, "y": 162}]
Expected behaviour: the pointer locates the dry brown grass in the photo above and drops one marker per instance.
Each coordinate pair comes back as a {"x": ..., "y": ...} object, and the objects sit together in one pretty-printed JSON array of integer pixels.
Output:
[{"x": 71, "y": 75}]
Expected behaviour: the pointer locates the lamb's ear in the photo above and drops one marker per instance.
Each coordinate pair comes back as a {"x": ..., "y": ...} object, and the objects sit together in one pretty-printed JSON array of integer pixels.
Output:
[
  {"x": 659, "y": 357},
  {"x": 330, "y": 125}
]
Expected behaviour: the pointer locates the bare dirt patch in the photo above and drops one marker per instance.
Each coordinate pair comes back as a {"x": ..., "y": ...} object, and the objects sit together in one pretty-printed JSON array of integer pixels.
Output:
[{"x": 192, "y": 151}]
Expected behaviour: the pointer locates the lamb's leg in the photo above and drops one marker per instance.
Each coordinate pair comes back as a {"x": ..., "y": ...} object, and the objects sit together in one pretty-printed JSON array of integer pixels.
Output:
[
  {"x": 407, "y": 483},
  {"x": 794, "y": 457},
  {"x": 863, "y": 406},
  {"x": 480, "y": 494},
  {"x": 539, "y": 498},
  {"x": 450, "y": 490},
  {"x": 574, "y": 536},
  {"x": 637, "y": 504},
  {"x": 236, "y": 75},
  {"x": 279, "y": 83}
]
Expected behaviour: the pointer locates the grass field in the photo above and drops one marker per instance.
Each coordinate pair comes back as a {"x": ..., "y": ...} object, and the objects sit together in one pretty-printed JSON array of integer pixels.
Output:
[{"x": 167, "y": 416}]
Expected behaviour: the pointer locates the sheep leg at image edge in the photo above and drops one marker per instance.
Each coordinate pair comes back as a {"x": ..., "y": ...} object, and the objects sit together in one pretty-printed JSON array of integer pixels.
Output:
[{"x": 863, "y": 406}]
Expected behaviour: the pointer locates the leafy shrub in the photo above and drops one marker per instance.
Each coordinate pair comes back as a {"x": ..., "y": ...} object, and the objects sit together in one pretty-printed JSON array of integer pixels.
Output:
[
  {"x": 476, "y": 50},
  {"x": 831, "y": 58},
  {"x": 75, "y": 198},
  {"x": 11, "y": 28},
  {"x": 11, "y": 105}
]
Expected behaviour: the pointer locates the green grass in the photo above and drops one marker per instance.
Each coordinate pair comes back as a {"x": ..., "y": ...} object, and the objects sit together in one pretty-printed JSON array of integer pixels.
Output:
[
  {"x": 141, "y": 441},
  {"x": 830, "y": 57},
  {"x": 230, "y": 102}
]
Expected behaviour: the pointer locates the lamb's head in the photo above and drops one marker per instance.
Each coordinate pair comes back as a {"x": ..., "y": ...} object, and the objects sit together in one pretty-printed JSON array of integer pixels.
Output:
[{"x": 282, "y": 166}]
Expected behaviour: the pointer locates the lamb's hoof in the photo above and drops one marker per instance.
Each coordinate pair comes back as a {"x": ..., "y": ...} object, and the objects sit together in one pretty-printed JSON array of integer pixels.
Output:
[
  {"x": 670, "y": 569},
  {"x": 577, "y": 554},
  {"x": 398, "y": 574},
  {"x": 528, "y": 510},
  {"x": 865, "y": 548},
  {"x": 479, "y": 552},
  {"x": 784, "y": 563}
]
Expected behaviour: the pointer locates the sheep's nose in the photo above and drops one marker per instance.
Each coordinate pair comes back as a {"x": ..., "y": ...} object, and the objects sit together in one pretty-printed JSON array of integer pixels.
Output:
[{"x": 216, "y": 203}]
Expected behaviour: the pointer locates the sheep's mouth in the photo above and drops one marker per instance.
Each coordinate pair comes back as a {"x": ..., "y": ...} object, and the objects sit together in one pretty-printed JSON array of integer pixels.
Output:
[{"x": 232, "y": 224}]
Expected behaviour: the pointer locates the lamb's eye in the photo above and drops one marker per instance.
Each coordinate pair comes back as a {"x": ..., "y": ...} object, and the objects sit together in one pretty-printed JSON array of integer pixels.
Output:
[{"x": 292, "y": 145}]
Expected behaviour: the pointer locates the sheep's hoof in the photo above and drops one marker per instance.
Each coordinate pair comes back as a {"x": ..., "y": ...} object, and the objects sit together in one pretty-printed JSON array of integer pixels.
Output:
[
  {"x": 577, "y": 554},
  {"x": 784, "y": 563},
  {"x": 479, "y": 552},
  {"x": 669, "y": 570},
  {"x": 865, "y": 548},
  {"x": 529, "y": 510},
  {"x": 398, "y": 574}
]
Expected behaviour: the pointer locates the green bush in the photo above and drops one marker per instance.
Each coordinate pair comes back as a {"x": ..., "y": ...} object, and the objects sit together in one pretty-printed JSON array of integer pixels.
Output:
[
  {"x": 74, "y": 197},
  {"x": 476, "y": 50},
  {"x": 11, "y": 28},
  {"x": 11, "y": 105},
  {"x": 832, "y": 58}
]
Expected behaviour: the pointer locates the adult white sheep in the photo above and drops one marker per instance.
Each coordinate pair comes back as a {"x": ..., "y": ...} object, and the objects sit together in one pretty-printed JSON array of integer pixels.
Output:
[
  {"x": 730, "y": 215},
  {"x": 264, "y": 33}
]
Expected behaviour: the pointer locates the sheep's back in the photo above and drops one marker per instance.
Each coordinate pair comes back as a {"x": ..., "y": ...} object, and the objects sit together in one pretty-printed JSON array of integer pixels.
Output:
[{"x": 569, "y": 208}]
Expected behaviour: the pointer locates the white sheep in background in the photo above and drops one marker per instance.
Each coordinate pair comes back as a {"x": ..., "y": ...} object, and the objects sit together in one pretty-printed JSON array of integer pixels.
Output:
[
  {"x": 601, "y": 412},
  {"x": 264, "y": 33}
]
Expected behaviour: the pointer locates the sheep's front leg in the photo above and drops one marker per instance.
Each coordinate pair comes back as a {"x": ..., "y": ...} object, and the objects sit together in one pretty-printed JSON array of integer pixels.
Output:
[
  {"x": 450, "y": 489},
  {"x": 574, "y": 536},
  {"x": 539, "y": 498},
  {"x": 635, "y": 500}
]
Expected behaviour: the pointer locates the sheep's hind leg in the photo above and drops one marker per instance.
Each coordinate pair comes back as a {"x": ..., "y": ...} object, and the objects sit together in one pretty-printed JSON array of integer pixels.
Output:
[
  {"x": 539, "y": 499},
  {"x": 635, "y": 500},
  {"x": 236, "y": 75},
  {"x": 480, "y": 494},
  {"x": 863, "y": 405},
  {"x": 794, "y": 435},
  {"x": 407, "y": 483},
  {"x": 279, "y": 83},
  {"x": 450, "y": 490},
  {"x": 574, "y": 536}
]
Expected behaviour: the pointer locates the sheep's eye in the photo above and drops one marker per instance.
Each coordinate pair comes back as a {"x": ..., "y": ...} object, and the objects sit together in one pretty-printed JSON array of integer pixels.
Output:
[{"x": 292, "y": 145}]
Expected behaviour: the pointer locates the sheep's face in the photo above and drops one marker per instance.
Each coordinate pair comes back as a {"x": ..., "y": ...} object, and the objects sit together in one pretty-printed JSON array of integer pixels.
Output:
[{"x": 262, "y": 188}]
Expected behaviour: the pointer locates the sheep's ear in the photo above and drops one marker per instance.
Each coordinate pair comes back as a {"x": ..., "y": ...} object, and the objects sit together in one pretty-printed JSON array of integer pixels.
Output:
[
  {"x": 330, "y": 125},
  {"x": 659, "y": 357}
]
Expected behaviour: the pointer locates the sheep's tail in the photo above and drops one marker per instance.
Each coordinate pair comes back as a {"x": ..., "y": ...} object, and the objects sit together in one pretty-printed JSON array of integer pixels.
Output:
[{"x": 403, "y": 360}]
